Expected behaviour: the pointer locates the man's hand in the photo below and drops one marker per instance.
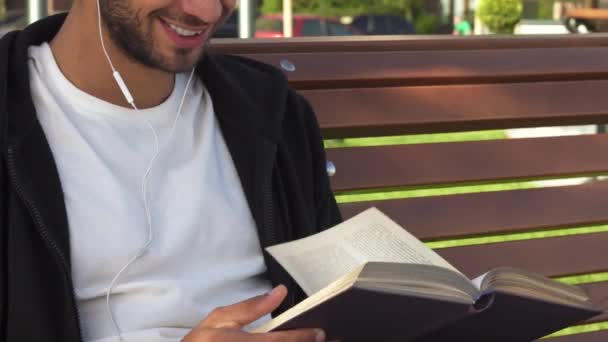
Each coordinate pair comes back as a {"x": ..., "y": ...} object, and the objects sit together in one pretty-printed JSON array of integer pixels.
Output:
[{"x": 225, "y": 324}]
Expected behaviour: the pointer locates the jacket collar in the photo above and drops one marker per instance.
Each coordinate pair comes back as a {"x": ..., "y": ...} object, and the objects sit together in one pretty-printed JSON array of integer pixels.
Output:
[{"x": 251, "y": 123}]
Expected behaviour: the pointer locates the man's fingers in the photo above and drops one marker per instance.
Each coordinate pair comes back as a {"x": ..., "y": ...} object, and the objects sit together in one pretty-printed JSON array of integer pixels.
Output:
[
  {"x": 225, "y": 323},
  {"x": 240, "y": 314},
  {"x": 303, "y": 335},
  {"x": 211, "y": 334}
]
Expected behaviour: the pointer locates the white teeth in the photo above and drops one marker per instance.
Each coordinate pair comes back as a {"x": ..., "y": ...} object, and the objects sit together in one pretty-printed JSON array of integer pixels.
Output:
[{"x": 184, "y": 32}]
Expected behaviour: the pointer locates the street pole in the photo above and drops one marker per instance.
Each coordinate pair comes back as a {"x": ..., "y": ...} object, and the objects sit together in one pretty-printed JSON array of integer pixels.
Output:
[
  {"x": 287, "y": 19},
  {"x": 247, "y": 10},
  {"x": 36, "y": 10},
  {"x": 452, "y": 11}
]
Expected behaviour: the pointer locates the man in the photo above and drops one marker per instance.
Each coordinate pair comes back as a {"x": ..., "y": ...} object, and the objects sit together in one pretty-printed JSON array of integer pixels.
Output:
[
  {"x": 142, "y": 177},
  {"x": 462, "y": 27}
]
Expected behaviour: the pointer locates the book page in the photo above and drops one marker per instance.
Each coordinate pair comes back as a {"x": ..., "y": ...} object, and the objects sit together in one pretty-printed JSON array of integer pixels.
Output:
[
  {"x": 316, "y": 261},
  {"x": 525, "y": 283},
  {"x": 479, "y": 280}
]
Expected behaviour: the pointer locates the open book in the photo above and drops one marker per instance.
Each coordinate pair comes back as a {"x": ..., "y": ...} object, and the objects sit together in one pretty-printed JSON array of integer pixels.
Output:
[{"x": 368, "y": 279}]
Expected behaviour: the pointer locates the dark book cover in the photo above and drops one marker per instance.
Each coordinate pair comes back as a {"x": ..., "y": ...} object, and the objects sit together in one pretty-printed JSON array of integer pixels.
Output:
[
  {"x": 361, "y": 314},
  {"x": 502, "y": 317}
]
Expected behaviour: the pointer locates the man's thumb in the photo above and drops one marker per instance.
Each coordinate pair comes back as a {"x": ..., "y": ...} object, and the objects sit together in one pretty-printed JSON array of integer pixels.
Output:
[{"x": 248, "y": 311}]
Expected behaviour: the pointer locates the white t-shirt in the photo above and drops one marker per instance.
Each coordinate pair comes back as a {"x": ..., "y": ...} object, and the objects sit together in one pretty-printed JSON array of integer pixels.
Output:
[{"x": 205, "y": 252}]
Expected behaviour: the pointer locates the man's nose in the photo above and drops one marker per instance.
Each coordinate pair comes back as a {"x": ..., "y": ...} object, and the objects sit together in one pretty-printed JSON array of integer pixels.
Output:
[{"x": 209, "y": 11}]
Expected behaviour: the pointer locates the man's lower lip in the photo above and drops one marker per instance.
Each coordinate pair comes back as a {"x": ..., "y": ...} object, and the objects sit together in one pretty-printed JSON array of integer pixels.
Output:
[{"x": 181, "y": 41}]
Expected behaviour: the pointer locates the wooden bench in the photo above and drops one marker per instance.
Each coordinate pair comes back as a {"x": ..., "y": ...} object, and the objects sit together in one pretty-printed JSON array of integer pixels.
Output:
[{"x": 367, "y": 87}]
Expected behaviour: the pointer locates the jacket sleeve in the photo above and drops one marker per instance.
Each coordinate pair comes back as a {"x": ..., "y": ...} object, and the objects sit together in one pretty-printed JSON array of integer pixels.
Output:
[
  {"x": 310, "y": 186},
  {"x": 3, "y": 230},
  {"x": 4, "y": 44},
  {"x": 326, "y": 210}
]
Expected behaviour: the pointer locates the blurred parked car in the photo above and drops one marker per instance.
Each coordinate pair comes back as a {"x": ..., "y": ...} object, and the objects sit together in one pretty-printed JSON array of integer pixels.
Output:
[
  {"x": 271, "y": 26},
  {"x": 383, "y": 24},
  {"x": 586, "y": 20}
]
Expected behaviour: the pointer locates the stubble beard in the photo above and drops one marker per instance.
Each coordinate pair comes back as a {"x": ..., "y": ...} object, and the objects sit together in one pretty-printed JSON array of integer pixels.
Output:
[{"x": 126, "y": 29}]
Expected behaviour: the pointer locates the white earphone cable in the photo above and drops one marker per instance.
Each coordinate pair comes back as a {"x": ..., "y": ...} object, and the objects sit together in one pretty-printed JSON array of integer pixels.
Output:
[
  {"x": 103, "y": 46},
  {"x": 150, "y": 232},
  {"x": 145, "y": 178}
]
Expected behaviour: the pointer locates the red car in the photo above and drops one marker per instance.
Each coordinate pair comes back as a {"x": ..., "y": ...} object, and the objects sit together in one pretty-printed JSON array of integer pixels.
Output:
[{"x": 271, "y": 26}]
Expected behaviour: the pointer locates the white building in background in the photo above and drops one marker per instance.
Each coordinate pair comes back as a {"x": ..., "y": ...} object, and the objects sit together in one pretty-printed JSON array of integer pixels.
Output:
[{"x": 528, "y": 26}]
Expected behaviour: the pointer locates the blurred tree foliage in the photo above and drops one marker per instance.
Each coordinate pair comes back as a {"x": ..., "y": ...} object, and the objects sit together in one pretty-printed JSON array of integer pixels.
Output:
[
  {"x": 2, "y": 9},
  {"x": 500, "y": 16},
  {"x": 545, "y": 9},
  {"x": 341, "y": 7},
  {"x": 417, "y": 11}
]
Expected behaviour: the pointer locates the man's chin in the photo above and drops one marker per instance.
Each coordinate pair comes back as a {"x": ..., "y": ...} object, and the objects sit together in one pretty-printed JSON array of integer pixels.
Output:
[
  {"x": 179, "y": 64},
  {"x": 185, "y": 60}
]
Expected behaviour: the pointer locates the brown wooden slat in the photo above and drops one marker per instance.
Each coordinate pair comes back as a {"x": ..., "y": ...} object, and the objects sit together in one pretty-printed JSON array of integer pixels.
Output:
[
  {"x": 401, "y": 43},
  {"x": 596, "y": 336},
  {"x": 433, "y": 218},
  {"x": 426, "y": 109},
  {"x": 578, "y": 254},
  {"x": 473, "y": 161},
  {"x": 598, "y": 294},
  {"x": 393, "y": 68}
]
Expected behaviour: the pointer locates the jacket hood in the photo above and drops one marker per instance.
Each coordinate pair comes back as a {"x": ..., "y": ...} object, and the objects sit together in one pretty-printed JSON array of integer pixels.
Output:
[{"x": 262, "y": 90}]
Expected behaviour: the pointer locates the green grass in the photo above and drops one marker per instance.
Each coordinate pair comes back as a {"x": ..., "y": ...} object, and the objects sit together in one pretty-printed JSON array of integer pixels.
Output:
[
  {"x": 584, "y": 279},
  {"x": 389, "y": 194},
  {"x": 549, "y": 233},
  {"x": 586, "y": 328},
  {"x": 416, "y": 139}
]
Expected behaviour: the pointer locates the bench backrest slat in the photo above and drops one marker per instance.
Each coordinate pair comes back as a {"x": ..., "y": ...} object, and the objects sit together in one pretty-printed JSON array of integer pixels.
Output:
[
  {"x": 597, "y": 291},
  {"x": 552, "y": 257},
  {"x": 400, "y": 43},
  {"x": 428, "y": 109},
  {"x": 515, "y": 211},
  {"x": 441, "y": 67},
  {"x": 467, "y": 162},
  {"x": 595, "y": 336}
]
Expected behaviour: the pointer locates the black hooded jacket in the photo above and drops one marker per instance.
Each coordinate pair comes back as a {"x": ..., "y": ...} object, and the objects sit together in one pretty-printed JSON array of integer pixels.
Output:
[{"x": 273, "y": 138}]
